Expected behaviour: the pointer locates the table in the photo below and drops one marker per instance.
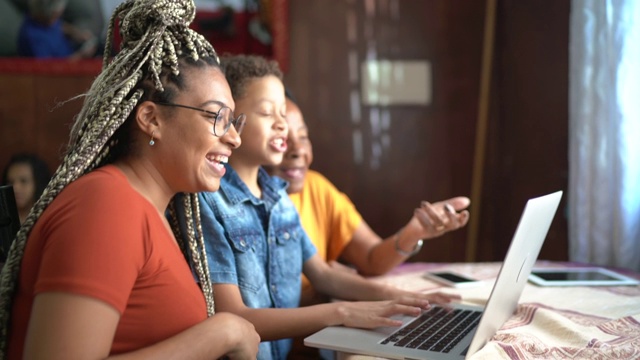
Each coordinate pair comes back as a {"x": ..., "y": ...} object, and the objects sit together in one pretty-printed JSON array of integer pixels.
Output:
[{"x": 550, "y": 322}]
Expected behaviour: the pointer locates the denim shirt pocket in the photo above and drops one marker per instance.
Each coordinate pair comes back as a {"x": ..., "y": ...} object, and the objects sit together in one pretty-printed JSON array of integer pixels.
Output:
[
  {"x": 246, "y": 250},
  {"x": 289, "y": 250},
  {"x": 242, "y": 242}
]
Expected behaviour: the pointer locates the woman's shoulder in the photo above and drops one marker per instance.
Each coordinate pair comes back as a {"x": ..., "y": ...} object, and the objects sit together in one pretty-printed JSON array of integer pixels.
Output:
[
  {"x": 104, "y": 180},
  {"x": 104, "y": 188},
  {"x": 316, "y": 178},
  {"x": 317, "y": 183},
  {"x": 97, "y": 200}
]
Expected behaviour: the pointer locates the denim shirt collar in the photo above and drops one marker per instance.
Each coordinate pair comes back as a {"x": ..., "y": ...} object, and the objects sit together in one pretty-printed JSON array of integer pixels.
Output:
[{"x": 236, "y": 191}]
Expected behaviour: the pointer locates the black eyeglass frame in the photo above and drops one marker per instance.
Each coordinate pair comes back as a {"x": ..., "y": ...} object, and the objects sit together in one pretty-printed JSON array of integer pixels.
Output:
[{"x": 238, "y": 123}]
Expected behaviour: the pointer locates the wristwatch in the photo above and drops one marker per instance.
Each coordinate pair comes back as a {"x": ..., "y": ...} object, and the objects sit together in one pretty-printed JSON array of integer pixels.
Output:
[{"x": 415, "y": 250}]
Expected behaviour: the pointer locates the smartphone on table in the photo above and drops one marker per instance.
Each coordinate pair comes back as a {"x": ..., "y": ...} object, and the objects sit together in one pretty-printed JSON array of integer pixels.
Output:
[{"x": 451, "y": 279}]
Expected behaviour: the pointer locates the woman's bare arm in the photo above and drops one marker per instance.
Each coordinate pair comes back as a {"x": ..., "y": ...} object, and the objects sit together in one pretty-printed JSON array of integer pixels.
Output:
[
  {"x": 372, "y": 255},
  {"x": 69, "y": 326}
]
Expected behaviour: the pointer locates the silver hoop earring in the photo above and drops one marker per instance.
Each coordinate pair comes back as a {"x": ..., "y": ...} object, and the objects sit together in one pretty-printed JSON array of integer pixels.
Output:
[{"x": 152, "y": 142}]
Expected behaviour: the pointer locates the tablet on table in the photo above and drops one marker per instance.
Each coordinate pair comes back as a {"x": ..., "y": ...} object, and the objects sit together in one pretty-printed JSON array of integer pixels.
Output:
[{"x": 583, "y": 276}]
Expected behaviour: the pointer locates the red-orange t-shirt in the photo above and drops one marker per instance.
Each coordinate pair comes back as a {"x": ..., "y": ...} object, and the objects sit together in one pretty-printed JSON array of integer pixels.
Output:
[{"x": 100, "y": 238}]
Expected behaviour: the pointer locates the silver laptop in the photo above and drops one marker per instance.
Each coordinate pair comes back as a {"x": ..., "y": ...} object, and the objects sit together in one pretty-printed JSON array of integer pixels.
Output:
[{"x": 440, "y": 334}]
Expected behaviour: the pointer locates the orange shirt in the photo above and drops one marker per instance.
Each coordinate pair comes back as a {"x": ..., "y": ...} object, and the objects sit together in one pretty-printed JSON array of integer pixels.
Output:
[
  {"x": 100, "y": 238},
  {"x": 327, "y": 215}
]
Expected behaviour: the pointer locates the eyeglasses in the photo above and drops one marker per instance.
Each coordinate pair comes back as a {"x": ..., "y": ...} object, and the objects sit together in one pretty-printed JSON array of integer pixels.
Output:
[{"x": 223, "y": 118}]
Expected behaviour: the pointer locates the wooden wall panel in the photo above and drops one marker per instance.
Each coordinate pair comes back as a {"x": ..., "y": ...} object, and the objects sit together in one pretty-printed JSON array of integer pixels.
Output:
[
  {"x": 35, "y": 115},
  {"x": 17, "y": 115},
  {"x": 419, "y": 152},
  {"x": 430, "y": 149},
  {"x": 529, "y": 122},
  {"x": 57, "y": 109}
]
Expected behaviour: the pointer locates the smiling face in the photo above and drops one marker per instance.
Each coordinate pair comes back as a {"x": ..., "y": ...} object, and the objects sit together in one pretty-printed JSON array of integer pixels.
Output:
[
  {"x": 299, "y": 155},
  {"x": 190, "y": 157},
  {"x": 264, "y": 138}
]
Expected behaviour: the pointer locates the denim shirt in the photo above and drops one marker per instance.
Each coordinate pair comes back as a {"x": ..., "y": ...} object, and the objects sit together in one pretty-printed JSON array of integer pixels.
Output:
[{"x": 257, "y": 244}]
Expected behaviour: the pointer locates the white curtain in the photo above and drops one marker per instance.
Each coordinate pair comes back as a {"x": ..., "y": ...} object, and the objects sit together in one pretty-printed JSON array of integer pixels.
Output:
[{"x": 604, "y": 133}]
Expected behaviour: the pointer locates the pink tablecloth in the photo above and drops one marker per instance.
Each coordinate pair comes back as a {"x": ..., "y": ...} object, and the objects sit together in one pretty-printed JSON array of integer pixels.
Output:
[{"x": 550, "y": 322}]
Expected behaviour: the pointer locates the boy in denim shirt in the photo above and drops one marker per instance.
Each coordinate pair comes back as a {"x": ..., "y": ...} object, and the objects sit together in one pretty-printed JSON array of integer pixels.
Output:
[{"x": 256, "y": 247}]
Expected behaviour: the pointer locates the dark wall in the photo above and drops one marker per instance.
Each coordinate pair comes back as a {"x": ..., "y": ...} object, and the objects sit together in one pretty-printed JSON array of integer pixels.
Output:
[
  {"x": 36, "y": 113},
  {"x": 528, "y": 131},
  {"x": 427, "y": 152}
]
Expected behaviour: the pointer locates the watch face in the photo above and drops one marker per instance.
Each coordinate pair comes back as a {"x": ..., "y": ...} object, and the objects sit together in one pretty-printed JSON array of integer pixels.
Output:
[{"x": 414, "y": 251}]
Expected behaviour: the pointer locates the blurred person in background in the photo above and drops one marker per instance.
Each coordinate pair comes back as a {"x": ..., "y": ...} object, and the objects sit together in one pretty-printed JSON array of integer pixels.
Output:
[
  {"x": 43, "y": 33},
  {"x": 29, "y": 175}
]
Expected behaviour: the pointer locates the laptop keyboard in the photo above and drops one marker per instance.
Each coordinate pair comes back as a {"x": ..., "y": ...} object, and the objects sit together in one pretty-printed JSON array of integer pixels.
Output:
[{"x": 437, "y": 329}]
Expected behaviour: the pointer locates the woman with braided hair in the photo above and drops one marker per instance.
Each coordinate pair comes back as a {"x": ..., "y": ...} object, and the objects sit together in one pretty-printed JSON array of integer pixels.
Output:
[{"x": 96, "y": 271}]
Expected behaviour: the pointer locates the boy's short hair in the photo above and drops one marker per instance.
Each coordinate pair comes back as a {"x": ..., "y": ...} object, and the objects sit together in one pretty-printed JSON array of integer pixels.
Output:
[{"x": 240, "y": 69}]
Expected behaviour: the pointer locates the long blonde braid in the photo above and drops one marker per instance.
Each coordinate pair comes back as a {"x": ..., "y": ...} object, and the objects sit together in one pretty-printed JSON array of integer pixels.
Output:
[{"x": 156, "y": 41}]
